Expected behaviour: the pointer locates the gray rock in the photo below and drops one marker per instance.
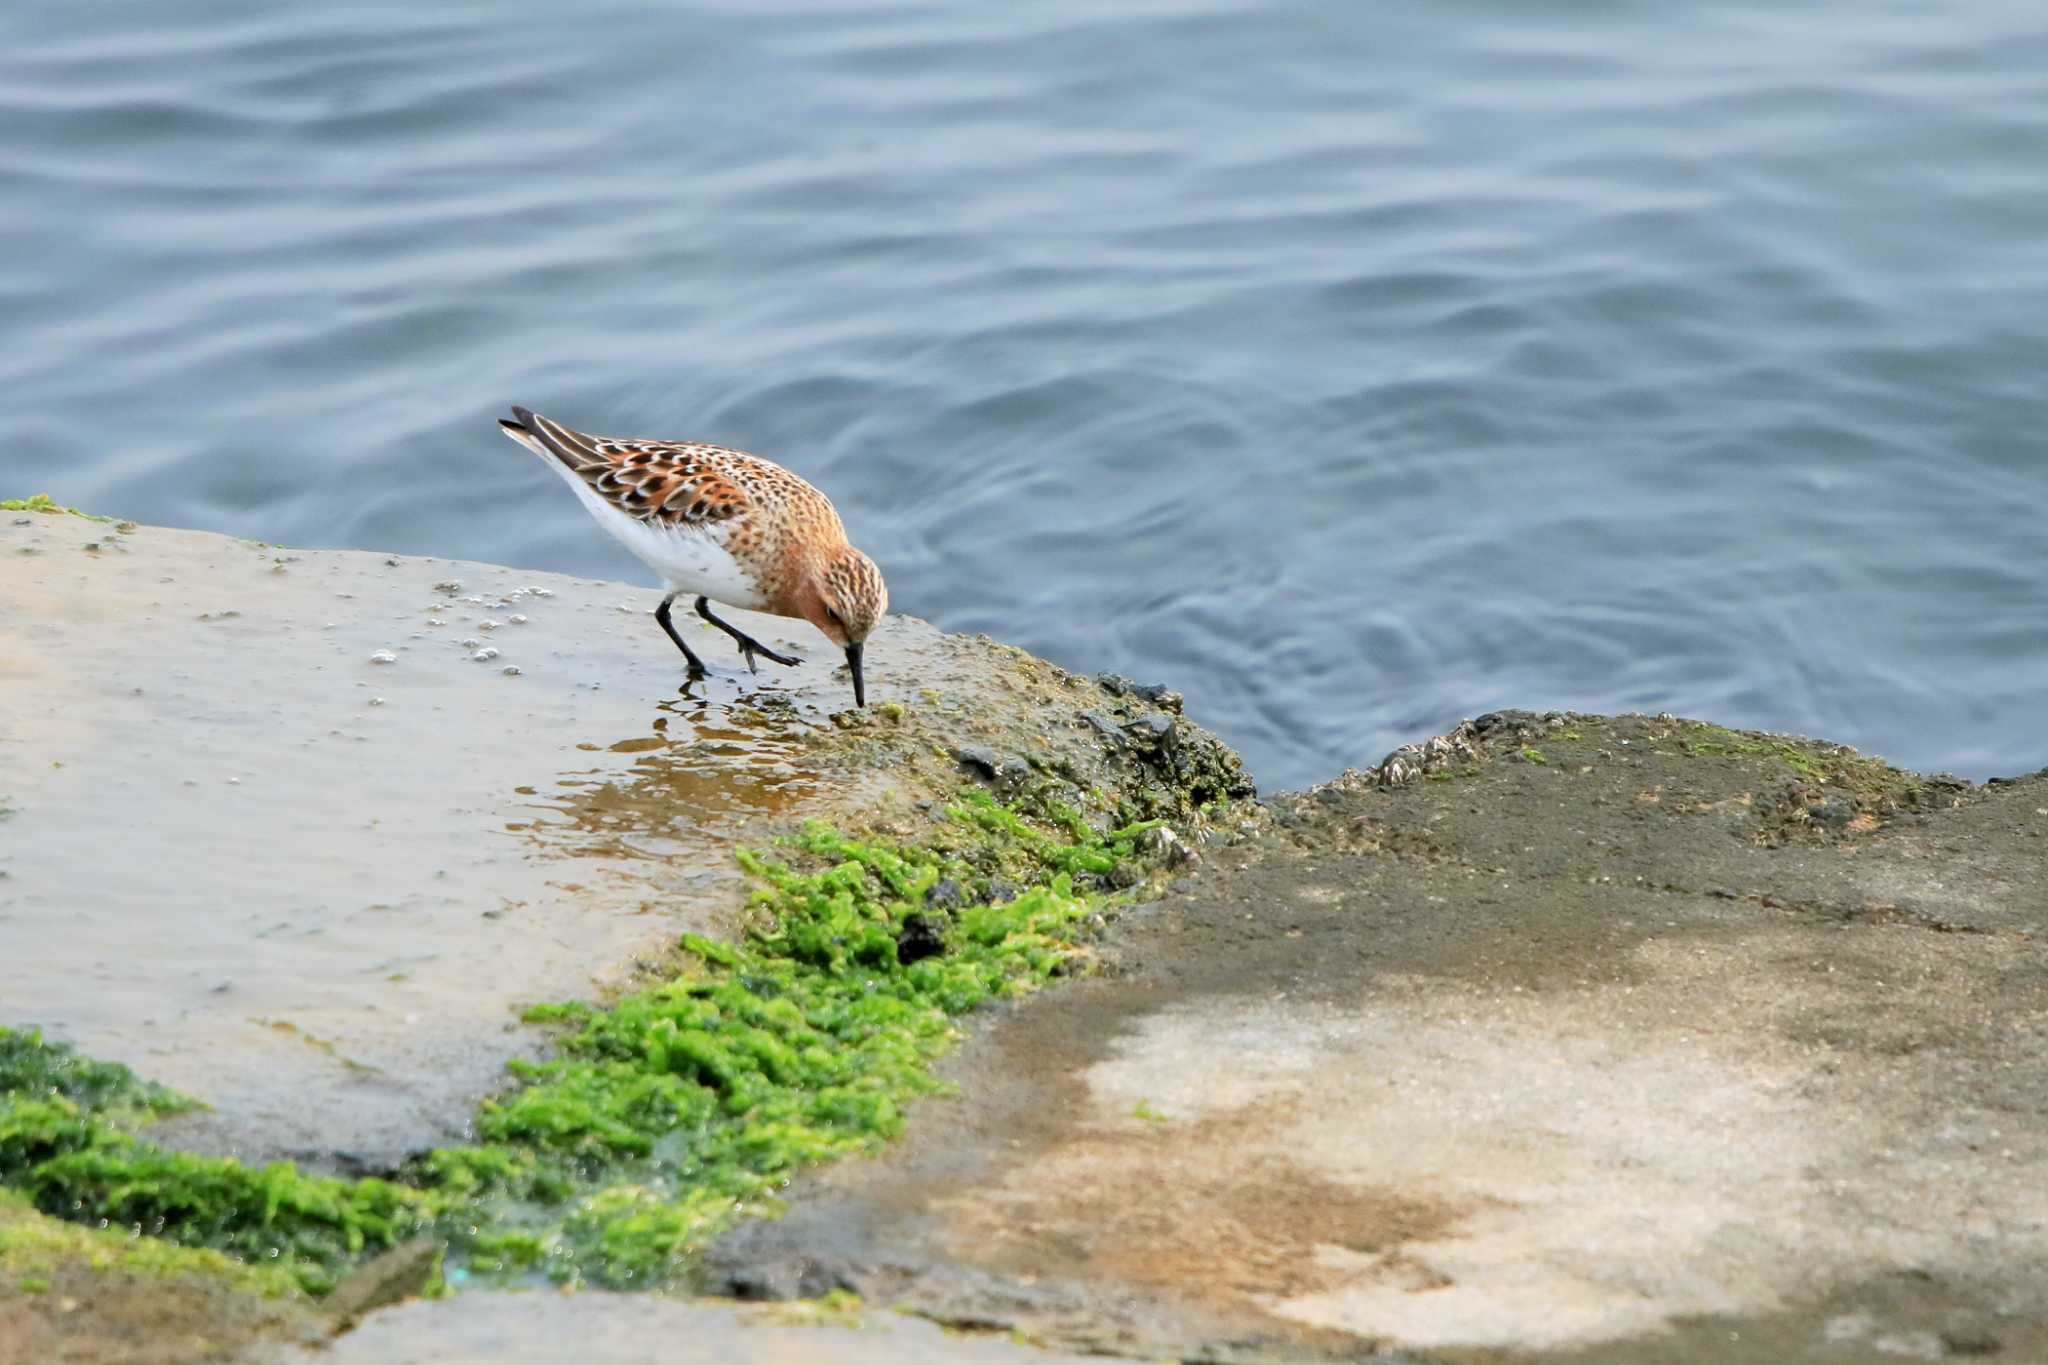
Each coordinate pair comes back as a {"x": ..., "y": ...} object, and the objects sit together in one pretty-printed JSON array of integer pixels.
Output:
[
  {"x": 1163, "y": 847},
  {"x": 1469, "y": 1030},
  {"x": 982, "y": 762},
  {"x": 945, "y": 894},
  {"x": 1152, "y": 730},
  {"x": 405, "y": 1271}
]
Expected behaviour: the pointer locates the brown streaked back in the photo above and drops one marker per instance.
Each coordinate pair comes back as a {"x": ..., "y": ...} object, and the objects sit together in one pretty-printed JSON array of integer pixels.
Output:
[{"x": 673, "y": 483}]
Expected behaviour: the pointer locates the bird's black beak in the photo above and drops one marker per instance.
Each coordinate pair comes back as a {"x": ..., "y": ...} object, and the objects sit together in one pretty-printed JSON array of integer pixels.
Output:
[{"x": 860, "y": 691}]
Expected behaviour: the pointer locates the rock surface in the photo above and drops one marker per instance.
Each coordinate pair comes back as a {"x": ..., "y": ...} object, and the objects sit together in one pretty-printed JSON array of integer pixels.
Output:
[
  {"x": 1553, "y": 1039},
  {"x": 275, "y": 836},
  {"x": 1582, "y": 1051},
  {"x": 548, "y": 1329}
]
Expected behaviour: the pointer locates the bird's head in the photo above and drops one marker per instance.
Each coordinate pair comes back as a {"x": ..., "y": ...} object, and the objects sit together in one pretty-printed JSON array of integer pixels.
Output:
[{"x": 847, "y": 600}]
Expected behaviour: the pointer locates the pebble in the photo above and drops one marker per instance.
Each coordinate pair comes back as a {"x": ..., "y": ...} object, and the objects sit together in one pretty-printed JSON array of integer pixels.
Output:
[
  {"x": 510, "y": 670},
  {"x": 1165, "y": 846},
  {"x": 383, "y": 656},
  {"x": 1156, "y": 727},
  {"x": 484, "y": 655}
]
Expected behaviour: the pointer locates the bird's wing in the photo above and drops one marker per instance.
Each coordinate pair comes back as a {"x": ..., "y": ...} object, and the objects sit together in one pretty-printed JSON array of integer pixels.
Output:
[{"x": 668, "y": 483}]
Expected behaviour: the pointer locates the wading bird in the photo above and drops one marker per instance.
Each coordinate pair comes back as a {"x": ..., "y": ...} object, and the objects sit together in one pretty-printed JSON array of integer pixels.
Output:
[{"x": 720, "y": 524}]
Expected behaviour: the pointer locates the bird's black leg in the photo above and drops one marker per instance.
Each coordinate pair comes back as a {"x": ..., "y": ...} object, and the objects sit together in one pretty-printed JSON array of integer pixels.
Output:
[
  {"x": 661, "y": 615},
  {"x": 749, "y": 646}
]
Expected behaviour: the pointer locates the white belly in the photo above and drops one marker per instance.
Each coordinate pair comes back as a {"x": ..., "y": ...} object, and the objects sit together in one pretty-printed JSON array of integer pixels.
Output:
[{"x": 687, "y": 559}]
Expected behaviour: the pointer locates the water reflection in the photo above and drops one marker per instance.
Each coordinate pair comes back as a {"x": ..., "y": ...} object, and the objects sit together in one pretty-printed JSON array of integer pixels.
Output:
[
  {"x": 702, "y": 767},
  {"x": 1349, "y": 367}
]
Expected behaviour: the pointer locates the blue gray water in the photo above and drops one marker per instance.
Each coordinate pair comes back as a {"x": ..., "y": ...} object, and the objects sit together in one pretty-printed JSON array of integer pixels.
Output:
[{"x": 1352, "y": 368}]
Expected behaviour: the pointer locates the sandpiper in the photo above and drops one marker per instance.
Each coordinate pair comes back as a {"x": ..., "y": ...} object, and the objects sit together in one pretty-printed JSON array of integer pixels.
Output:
[{"x": 720, "y": 523}]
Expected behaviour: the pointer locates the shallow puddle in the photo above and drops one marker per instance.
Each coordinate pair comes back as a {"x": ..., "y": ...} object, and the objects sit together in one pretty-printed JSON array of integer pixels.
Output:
[{"x": 652, "y": 796}]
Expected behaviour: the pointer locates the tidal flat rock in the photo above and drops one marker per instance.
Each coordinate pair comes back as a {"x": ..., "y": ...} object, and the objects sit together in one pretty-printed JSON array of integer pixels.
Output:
[
  {"x": 275, "y": 841},
  {"x": 1565, "y": 1038},
  {"x": 1553, "y": 1038}
]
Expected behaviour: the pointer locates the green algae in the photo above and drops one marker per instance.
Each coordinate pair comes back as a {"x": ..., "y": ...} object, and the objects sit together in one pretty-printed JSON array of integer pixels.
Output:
[
  {"x": 1826, "y": 764},
  {"x": 34, "y": 1245},
  {"x": 1820, "y": 777},
  {"x": 69, "y": 1144},
  {"x": 1713, "y": 740},
  {"x": 32, "y": 1069},
  {"x": 43, "y": 502},
  {"x": 840, "y": 1308},
  {"x": 664, "y": 1115},
  {"x": 675, "y": 1110}
]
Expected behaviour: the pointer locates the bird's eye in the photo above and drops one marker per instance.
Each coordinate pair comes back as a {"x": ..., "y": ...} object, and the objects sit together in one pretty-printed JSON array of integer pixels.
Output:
[{"x": 837, "y": 619}]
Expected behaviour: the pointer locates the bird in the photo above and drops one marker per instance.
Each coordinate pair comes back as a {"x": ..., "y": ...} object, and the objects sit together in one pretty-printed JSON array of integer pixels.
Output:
[{"x": 723, "y": 524}]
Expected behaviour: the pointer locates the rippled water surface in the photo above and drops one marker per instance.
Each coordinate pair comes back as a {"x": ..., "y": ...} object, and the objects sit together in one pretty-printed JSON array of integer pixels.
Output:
[{"x": 1350, "y": 367}]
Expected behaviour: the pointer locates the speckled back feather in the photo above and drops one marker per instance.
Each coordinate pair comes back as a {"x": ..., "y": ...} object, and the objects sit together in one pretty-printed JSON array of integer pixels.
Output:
[
  {"x": 678, "y": 483},
  {"x": 767, "y": 518}
]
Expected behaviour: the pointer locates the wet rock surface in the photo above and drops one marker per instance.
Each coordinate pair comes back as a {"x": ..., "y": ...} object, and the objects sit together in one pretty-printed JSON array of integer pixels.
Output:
[
  {"x": 277, "y": 838},
  {"x": 1554, "y": 1038},
  {"x": 546, "y": 1329},
  {"x": 1555, "y": 1041}
]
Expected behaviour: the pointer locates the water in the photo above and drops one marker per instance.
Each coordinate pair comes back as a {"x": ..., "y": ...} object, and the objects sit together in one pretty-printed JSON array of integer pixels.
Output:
[{"x": 1351, "y": 368}]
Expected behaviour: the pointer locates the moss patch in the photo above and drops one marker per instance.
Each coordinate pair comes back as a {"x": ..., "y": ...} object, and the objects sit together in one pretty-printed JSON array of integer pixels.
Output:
[{"x": 666, "y": 1114}]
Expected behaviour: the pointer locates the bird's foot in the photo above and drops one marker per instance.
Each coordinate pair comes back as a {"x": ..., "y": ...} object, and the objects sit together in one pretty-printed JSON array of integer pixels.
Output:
[{"x": 749, "y": 647}]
